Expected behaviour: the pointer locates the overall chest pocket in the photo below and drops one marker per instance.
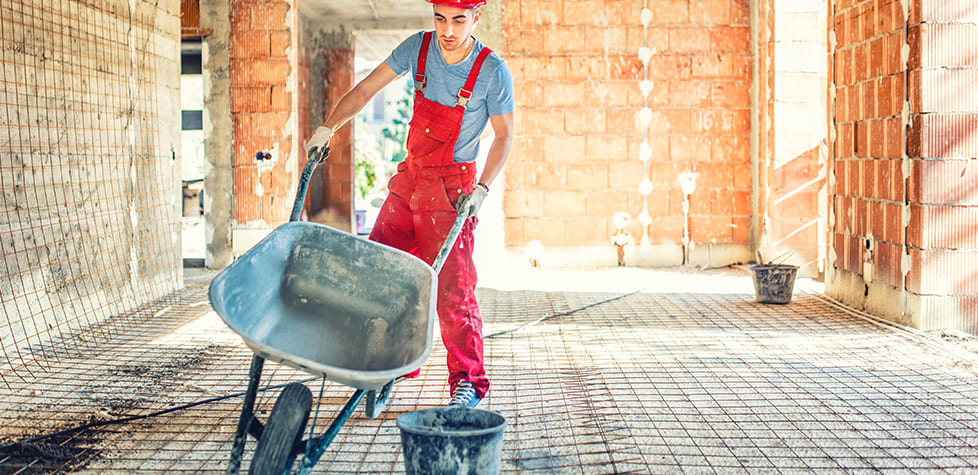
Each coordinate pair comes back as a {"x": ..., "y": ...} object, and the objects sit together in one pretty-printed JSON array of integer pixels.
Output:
[{"x": 434, "y": 130}]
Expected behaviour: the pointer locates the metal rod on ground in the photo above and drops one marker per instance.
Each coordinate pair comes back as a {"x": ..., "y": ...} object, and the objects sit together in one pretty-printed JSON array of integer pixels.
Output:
[
  {"x": 687, "y": 184},
  {"x": 685, "y": 229},
  {"x": 564, "y": 314}
]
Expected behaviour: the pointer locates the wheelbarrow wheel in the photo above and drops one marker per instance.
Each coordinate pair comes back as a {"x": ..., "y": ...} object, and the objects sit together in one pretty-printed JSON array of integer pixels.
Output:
[{"x": 275, "y": 451}]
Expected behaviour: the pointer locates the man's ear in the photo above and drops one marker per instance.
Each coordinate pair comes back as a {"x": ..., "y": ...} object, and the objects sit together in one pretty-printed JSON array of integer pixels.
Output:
[{"x": 477, "y": 16}]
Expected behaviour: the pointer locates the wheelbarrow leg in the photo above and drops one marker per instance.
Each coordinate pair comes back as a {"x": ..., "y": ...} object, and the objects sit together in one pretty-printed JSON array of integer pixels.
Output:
[
  {"x": 316, "y": 446},
  {"x": 376, "y": 402},
  {"x": 247, "y": 414}
]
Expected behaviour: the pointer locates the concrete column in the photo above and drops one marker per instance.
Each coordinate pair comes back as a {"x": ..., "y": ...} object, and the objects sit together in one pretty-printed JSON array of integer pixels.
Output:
[{"x": 215, "y": 15}]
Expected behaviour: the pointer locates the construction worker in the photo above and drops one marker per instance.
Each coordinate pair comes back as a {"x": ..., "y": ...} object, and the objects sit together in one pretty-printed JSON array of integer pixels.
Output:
[{"x": 460, "y": 85}]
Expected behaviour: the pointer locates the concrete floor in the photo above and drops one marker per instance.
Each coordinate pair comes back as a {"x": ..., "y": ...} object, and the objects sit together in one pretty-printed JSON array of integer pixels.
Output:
[{"x": 626, "y": 371}]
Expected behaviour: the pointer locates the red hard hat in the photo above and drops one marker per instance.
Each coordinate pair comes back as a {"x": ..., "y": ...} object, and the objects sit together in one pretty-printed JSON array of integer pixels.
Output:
[{"x": 460, "y": 3}]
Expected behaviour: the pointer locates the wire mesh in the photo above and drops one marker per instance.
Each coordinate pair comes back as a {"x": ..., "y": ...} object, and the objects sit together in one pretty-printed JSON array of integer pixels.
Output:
[
  {"x": 644, "y": 383},
  {"x": 87, "y": 172}
]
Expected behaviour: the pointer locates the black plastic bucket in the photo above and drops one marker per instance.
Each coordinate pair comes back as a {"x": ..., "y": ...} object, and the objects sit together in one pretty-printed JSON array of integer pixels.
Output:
[
  {"x": 450, "y": 440},
  {"x": 774, "y": 283}
]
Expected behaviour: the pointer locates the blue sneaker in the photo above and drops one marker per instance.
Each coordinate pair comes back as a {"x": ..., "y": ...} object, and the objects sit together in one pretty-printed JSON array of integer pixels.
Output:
[{"x": 464, "y": 395}]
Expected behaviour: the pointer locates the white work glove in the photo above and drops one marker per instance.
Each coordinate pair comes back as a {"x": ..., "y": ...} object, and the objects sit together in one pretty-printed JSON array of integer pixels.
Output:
[
  {"x": 319, "y": 140},
  {"x": 469, "y": 204}
]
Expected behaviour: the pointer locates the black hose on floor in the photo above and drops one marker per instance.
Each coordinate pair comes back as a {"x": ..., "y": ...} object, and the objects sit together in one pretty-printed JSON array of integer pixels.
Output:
[
  {"x": 91, "y": 425},
  {"x": 551, "y": 317}
]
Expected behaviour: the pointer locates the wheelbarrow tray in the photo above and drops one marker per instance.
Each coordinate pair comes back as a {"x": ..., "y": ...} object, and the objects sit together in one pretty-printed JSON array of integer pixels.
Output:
[{"x": 331, "y": 304}]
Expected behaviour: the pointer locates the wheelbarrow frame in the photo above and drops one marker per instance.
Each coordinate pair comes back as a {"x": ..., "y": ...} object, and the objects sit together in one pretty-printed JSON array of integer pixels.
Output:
[{"x": 313, "y": 447}]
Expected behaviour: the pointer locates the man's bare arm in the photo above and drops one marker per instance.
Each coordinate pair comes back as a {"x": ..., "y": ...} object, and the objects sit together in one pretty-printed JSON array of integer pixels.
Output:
[
  {"x": 503, "y": 131},
  {"x": 357, "y": 98}
]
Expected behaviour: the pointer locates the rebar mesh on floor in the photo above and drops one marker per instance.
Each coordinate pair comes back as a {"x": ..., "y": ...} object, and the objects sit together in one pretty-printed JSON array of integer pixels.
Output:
[{"x": 642, "y": 383}]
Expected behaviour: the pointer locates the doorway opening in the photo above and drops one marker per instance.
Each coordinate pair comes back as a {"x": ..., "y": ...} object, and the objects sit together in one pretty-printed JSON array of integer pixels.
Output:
[
  {"x": 379, "y": 131},
  {"x": 192, "y": 152}
]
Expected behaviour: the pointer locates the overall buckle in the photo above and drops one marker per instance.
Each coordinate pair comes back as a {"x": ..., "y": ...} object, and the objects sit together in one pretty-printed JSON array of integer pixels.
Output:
[{"x": 463, "y": 98}]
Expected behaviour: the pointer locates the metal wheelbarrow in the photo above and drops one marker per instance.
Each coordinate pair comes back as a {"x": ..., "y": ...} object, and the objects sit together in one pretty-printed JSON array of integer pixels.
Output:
[{"x": 331, "y": 304}]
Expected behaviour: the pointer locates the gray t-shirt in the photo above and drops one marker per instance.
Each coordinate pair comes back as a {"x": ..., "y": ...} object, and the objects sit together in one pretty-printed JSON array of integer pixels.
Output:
[{"x": 492, "y": 95}]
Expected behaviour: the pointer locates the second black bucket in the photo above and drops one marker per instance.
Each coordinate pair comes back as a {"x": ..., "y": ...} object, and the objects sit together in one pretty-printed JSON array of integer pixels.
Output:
[
  {"x": 451, "y": 440},
  {"x": 774, "y": 283}
]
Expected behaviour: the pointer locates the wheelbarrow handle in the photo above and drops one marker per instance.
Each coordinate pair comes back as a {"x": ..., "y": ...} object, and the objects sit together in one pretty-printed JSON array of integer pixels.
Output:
[
  {"x": 446, "y": 248},
  {"x": 311, "y": 164}
]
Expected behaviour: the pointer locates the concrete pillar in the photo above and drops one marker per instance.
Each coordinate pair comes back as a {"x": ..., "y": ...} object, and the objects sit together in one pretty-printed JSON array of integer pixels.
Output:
[{"x": 215, "y": 16}]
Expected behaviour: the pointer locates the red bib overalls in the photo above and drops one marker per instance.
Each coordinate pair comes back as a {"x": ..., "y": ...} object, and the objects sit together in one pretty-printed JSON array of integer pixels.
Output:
[{"x": 420, "y": 210}]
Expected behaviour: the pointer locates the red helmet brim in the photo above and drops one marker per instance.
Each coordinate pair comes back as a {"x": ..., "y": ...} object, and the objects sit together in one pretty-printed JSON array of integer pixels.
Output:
[{"x": 460, "y": 3}]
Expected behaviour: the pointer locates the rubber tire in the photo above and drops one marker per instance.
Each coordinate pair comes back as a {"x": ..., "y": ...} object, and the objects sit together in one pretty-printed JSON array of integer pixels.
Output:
[{"x": 274, "y": 453}]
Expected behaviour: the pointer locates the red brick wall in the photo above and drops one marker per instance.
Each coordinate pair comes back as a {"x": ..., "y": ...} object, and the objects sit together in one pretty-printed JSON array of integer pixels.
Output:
[
  {"x": 870, "y": 82},
  {"x": 338, "y": 170},
  {"x": 304, "y": 120},
  {"x": 321, "y": 85},
  {"x": 261, "y": 107},
  {"x": 577, "y": 158},
  {"x": 189, "y": 16},
  {"x": 190, "y": 20},
  {"x": 906, "y": 135},
  {"x": 601, "y": 87},
  {"x": 942, "y": 238}
]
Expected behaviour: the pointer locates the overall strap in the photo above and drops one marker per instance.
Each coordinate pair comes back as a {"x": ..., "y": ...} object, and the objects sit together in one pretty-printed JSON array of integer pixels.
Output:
[
  {"x": 465, "y": 93},
  {"x": 422, "y": 59}
]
